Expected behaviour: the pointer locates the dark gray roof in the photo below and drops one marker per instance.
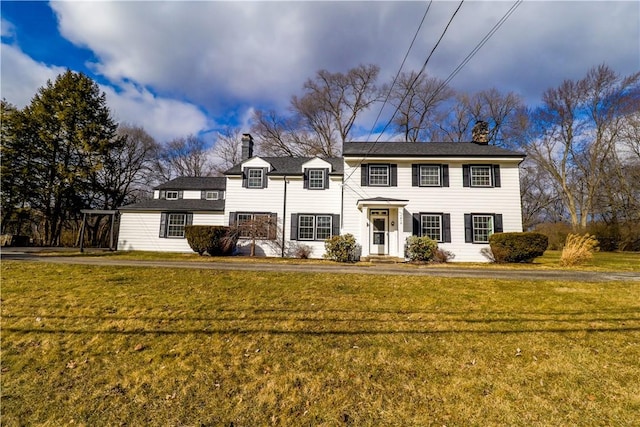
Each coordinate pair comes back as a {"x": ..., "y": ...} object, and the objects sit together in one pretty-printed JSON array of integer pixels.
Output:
[
  {"x": 195, "y": 183},
  {"x": 425, "y": 149},
  {"x": 291, "y": 165},
  {"x": 181, "y": 205}
]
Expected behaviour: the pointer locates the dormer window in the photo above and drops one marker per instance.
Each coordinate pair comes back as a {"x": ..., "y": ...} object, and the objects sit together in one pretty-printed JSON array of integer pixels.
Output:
[
  {"x": 254, "y": 178},
  {"x": 211, "y": 195},
  {"x": 171, "y": 195},
  {"x": 316, "y": 179}
]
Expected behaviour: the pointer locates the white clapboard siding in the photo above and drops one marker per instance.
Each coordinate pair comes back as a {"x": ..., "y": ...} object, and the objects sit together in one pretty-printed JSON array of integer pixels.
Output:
[
  {"x": 455, "y": 200},
  {"x": 139, "y": 231}
]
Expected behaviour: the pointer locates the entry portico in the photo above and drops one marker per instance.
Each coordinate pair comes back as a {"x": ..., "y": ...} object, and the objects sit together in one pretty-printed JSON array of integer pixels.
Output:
[{"x": 382, "y": 226}]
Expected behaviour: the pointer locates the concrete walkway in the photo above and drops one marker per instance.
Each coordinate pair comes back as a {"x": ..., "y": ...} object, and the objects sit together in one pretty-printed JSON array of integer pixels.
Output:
[{"x": 35, "y": 255}]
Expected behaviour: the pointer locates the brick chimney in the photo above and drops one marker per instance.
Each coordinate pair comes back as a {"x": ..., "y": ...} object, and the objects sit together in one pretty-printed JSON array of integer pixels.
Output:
[
  {"x": 480, "y": 133},
  {"x": 247, "y": 146}
]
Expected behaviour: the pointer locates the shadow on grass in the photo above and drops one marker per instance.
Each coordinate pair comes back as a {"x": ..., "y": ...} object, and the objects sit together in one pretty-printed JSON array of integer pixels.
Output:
[{"x": 341, "y": 322}]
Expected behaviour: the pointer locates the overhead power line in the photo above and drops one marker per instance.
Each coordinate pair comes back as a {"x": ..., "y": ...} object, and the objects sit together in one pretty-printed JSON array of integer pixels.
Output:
[{"x": 424, "y": 66}]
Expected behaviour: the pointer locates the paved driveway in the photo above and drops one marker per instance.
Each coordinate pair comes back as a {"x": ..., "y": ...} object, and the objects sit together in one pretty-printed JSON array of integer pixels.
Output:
[{"x": 450, "y": 270}]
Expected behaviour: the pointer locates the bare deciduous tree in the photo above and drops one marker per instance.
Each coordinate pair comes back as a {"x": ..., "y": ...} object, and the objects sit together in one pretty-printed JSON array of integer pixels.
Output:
[
  {"x": 418, "y": 99},
  {"x": 580, "y": 126},
  {"x": 323, "y": 117},
  {"x": 188, "y": 156}
]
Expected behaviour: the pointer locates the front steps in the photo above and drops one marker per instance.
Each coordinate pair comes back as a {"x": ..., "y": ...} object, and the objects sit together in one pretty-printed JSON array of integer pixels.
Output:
[{"x": 382, "y": 259}]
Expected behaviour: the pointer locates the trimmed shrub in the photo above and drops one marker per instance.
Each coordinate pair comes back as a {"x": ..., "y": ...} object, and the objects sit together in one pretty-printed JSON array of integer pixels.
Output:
[
  {"x": 213, "y": 239},
  {"x": 341, "y": 248},
  {"x": 578, "y": 249},
  {"x": 420, "y": 248},
  {"x": 517, "y": 247}
]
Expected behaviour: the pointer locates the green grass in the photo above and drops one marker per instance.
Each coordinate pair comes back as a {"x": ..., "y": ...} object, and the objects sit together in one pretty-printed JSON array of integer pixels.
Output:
[{"x": 89, "y": 345}]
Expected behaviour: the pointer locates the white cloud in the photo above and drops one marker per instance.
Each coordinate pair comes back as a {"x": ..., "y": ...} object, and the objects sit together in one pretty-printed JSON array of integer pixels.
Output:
[
  {"x": 222, "y": 55},
  {"x": 22, "y": 76},
  {"x": 162, "y": 118}
]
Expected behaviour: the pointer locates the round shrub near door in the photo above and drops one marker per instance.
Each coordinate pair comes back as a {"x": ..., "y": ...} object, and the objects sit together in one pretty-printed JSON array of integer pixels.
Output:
[
  {"x": 420, "y": 248},
  {"x": 341, "y": 248},
  {"x": 213, "y": 239},
  {"x": 517, "y": 247}
]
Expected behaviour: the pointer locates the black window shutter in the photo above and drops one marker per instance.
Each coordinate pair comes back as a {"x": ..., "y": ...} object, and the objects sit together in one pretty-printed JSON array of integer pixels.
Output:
[
  {"x": 232, "y": 219},
  {"x": 446, "y": 228},
  {"x": 468, "y": 231},
  {"x": 305, "y": 179},
  {"x": 326, "y": 178},
  {"x": 163, "y": 225},
  {"x": 393, "y": 175},
  {"x": 244, "y": 179},
  {"x": 416, "y": 224},
  {"x": 265, "y": 179},
  {"x": 294, "y": 227},
  {"x": 364, "y": 175},
  {"x": 273, "y": 226},
  {"x": 415, "y": 171},
  {"x": 444, "y": 170},
  {"x": 180, "y": 193},
  {"x": 497, "y": 223},
  {"x": 163, "y": 194},
  {"x": 335, "y": 225},
  {"x": 496, "y": 175},
  {"x": 466, "y": 179},
  {"x": 189, "y": 219}
]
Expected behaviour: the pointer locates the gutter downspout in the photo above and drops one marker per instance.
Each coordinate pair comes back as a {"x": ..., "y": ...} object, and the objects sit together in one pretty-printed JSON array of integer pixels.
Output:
[{"x": 284, "y": 214}]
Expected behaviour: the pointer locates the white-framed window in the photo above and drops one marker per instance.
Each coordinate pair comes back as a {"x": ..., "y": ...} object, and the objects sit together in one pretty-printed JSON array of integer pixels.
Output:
[
  {"x": 431, "y": 226},
  {"x": 314, "y": 227},
  {"x": 316, "y": 179},
  {"x": 255, "y": 178},
  {"x": 211, "y": 195},
  {"x": 306, "y": 226},
  {"x": 379, "y": 175},
  {"x": 171, "y": 195},
  {"x": 175, "y": 224},
  {"x": 429, "y": 176},
  {"x": 324, "y": 224},
  {"x": 481, "y": 176},
  {"x": 258, "y": 225},
  {"x": 482, "y": 228}
]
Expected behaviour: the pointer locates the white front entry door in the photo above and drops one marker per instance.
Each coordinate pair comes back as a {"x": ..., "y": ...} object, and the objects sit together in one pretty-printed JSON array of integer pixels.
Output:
[{"x": 379, "y": 238}]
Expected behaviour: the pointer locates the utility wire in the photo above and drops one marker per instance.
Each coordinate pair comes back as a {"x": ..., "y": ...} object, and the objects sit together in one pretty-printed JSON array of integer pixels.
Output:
[
  {"x": 395, "y": 79},
  {"x": 460, "y": 66},
  {"x": 424, "y": 66}
]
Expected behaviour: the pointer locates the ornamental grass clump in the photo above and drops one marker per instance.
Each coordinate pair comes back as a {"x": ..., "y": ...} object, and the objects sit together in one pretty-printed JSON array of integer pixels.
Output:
[{"x": 578, "y": 249}]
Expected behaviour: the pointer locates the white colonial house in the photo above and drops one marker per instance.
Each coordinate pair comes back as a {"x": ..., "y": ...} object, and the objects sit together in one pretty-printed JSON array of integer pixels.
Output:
[{"x": 456, "y": 193}]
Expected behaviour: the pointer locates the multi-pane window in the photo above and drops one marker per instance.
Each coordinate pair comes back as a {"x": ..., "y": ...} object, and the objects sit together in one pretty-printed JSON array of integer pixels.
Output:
[
  {"x": 316, "y": 179},
  {"x": 255, "y": 178},
  {"x": 482, "y": 228},
  {"x": 252, "y": 225},
  {"x": 480, "y": 176},
  {"x": 211, "y": 195},
  {"x": 379, "y": 175},
  {"x": 429, "y": 175},
  {"x": 175, "y": 224},
  {"x": 314, "y": 227},
  {"x": 323, "y": 227},
  {"x": 431, "y": 226},
  {"x": 171, "y": 195}
]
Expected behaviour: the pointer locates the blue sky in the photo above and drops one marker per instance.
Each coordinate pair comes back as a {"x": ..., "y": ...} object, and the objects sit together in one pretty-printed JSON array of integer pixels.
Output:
[{"x": 179, "y": 68}]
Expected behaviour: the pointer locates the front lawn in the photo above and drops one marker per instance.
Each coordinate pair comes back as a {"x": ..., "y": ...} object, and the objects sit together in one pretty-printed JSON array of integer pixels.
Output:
[{"x": 89, "y": 345}]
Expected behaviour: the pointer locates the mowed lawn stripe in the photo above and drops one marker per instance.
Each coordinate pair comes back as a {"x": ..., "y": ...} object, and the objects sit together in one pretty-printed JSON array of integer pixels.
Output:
[{"x": 95, "y": 345}]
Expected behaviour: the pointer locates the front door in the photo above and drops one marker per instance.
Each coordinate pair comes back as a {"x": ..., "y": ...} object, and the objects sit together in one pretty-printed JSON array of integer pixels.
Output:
[{"x": 379, "y": 239}]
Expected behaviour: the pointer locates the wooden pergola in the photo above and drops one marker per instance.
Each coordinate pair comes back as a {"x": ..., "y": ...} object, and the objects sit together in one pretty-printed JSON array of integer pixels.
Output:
[{"x": 90, "y": 212}]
